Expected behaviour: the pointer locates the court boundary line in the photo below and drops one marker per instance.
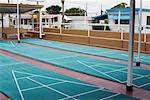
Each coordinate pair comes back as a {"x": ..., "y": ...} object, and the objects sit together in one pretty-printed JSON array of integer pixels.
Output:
[
  {"x": 17, "y": 84},
  {"x": 13, "y": 64},
  {"x": 144, "y": 85},
  {"x": 98, "y": 71},
  {"x": 57, "y": 79},
  {"x": 94, "y": 90},
  {"x": 37, "y": 87},
  {"x": 50, "y": 88},
  {"x": 13, "y": 45},
  {"x": 138, "y": 75},
  {"x": 100, "y": 65},
  {"x": 62, "y": 57}
]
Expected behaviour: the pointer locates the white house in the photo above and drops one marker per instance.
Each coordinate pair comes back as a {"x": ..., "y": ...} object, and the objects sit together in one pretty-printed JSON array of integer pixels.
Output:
[
  {"x": 119, "y": 19},
  {"x": 29, "y": 21},
  {"x": 80, "y": 22}
]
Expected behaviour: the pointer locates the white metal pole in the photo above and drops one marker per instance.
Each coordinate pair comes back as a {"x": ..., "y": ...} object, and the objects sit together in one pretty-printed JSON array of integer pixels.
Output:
[
  {"x": 18, "y": 30},
  {"x": 131, "y": 46},
  {"x": 40, "y": 24},
  {"x": 140, "y": 31},
  {"x": 119, "y": 15}
]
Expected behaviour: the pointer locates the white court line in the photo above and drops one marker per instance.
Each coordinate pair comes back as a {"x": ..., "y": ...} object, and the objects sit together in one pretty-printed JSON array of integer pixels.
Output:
[
  {"x": 98, "y": 71},
  {"x": 110, "y": 96},
  {"x": 28, "y": 89},
  {"x": 115, "y": 70},
  {"x": 102, "y": 52},
  {"x": 13, "y": 73},
  {"x": 142, "y": 57},
  {"x": 82, "y": 93},
  {"x": 12, "y": 44},
  {"x": 141, "y": 77},
  {"x": 50, "y": 88},
  {"x": 62, "y": 57},
  {"x": 33, "y": 75},
  {"x": 144, "y": 85},
  {"x": 100, "y": 65},
  {"x": 13, "y": 64}
]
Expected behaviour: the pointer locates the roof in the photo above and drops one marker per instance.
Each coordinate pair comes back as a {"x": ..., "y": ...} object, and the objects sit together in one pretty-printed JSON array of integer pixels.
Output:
[
  {"x": 100, "y": 17},
  {"x": 12, "y": 8},
  {"x": 125, "y": 10}
]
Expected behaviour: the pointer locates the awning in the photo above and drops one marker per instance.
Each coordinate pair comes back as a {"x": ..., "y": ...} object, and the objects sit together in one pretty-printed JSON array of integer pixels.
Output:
[
  {"x": 12, "y": 8},
  {"x": 100, "y": 17},
  {"x": 122, "y": 17}
]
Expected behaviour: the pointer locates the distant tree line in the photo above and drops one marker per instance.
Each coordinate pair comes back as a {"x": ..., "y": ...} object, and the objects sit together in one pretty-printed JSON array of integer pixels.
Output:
[{"x": 56, "y": 9}]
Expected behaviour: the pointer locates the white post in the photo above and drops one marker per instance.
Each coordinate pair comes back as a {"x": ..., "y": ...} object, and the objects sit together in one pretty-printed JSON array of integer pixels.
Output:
[
  {"x": 61, "y": 28},
  {"x": 129, "y": 86},
  {"x": 140, "y": 31},
  {"x": 18, "y": 22},
  {"x": 40, "y": 24},
  {"x": 119, "y": 15},
  {"x": 88, "y": 30}
]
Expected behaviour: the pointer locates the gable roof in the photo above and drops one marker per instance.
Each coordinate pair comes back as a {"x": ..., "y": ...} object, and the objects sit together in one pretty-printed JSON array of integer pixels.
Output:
[{"x": 125, "y": 10}]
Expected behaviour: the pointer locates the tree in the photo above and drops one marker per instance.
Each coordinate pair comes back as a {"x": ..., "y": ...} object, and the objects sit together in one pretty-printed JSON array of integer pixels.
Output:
[
  {"x": 75, "y": 12},
  {"x": 54, "y": 9},
  {"x": 121, "y": 5}
]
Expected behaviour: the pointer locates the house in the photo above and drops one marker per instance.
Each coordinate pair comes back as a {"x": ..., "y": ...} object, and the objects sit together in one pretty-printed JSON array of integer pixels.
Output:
[
  {"x": 118, "y": 19},
  {"x": 29, "y": 21},
  {"x": 80, "y": 22},
  {"x": 123, "y": 16}
]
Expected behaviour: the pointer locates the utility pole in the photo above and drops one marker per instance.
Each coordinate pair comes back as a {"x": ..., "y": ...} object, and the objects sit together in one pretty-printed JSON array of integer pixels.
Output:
[
  {"x": 129, "y": 86},
  {"x": 62, "y": 2}
]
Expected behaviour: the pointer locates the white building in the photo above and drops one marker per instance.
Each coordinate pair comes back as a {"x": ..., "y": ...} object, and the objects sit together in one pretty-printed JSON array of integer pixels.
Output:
[
  {"x": 80, "y": 22},
  {"x": 117, "y": 15}
]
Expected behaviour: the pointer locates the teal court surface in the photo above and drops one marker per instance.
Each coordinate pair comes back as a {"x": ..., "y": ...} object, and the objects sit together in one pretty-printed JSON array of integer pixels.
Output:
[
  {"x": 113, "y": 71},
  {"x": 24, "y": 81},
  {"x": 111, "y": 53}
]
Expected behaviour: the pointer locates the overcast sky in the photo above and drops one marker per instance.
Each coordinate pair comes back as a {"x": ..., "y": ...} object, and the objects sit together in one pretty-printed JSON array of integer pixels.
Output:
[{"x": 93, "y": 6}]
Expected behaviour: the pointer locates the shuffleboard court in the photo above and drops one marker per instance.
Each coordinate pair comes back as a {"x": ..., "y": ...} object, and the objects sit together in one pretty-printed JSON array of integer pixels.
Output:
[
  {"x": 24, "y": 81},
  {"x": 111, "y": 53},
  {"x": 113, "y": 71}
]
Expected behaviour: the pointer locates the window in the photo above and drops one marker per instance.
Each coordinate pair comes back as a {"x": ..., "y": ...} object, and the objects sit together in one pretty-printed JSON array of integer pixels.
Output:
[
  {"x": 43, "y": 21},
  {"x": 148, "y": 20},
  {"x": 52, "y": 20},
  {"x": 14, "y": 22},
  {"x": 22, "y": 21},
  {"x": 30, "y": 22},
  {"x": 122, "y": 21},
  {"x": 25, "y": 21},
  {"x": 55, "y": 19}
]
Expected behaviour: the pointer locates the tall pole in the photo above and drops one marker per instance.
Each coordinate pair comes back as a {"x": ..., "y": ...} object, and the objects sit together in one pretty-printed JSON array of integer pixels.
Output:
[
  {"x": 140, "y": 32},
  {"x": 40, "y": 24},
  {"x": 129, "y": 86},
  {"x": 18, "y": 26},
  {"x": 119, "y": 15},
  {"x": 9, "y": 15},
  {"x": 62, "y": 2}
]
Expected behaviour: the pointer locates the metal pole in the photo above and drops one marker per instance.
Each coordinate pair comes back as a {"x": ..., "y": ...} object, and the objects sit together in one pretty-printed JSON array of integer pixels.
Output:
[
  {"x": 63, "y": 1},
  {"x": 119, "y": 14},
  {"x": 140, "y": 31},
  {"x": 18, "y": 26},
  {"x": 40, "y": 24},
  {"x": 129, "y": 86},
  {"x": 2, "y": 26}
]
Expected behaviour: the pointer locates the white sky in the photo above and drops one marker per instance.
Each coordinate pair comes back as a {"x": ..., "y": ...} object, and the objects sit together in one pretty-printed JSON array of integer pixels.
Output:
[{"x": 92, "y": 5}]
